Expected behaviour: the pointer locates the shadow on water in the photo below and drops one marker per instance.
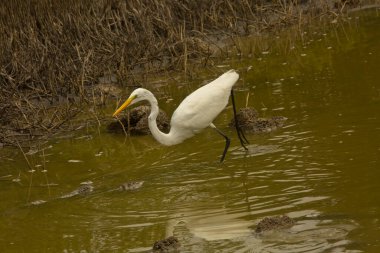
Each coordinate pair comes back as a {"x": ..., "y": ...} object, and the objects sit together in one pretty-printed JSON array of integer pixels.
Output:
[{"x": 320, "y": 168}]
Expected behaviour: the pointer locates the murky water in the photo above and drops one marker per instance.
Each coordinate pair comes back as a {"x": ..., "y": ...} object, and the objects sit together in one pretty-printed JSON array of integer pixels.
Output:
[{"x": 322, "y": 168}]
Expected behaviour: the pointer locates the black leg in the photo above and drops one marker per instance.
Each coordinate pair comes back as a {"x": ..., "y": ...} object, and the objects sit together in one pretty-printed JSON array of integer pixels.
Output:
[
  {"x": 242, "y": 138},
  {"x": 228, "y": 141}
]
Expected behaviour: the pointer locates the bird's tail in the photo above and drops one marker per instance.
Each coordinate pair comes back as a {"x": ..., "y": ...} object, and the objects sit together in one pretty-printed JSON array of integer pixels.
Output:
[{"x": 230, "y": 77}]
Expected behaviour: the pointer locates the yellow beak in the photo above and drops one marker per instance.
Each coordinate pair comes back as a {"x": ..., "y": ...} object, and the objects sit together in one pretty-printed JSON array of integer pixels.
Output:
[{"x": 123, "y": 106}]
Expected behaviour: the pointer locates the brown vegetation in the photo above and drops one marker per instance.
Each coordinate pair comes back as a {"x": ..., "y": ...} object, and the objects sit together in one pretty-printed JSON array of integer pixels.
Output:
[{"x": 54, "y": 52}]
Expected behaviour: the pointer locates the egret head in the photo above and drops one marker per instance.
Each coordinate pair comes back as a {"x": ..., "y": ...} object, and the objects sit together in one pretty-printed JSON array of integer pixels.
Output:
[{"x": 137, "y": 95}]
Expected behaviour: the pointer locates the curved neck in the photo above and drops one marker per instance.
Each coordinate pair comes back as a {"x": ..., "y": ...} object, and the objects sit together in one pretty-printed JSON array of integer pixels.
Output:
[{"x": 163, "y": 138}]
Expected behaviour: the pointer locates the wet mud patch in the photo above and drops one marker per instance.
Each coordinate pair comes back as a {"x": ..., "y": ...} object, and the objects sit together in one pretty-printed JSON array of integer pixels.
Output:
[
  {"x": 170, "y": 244},
  {"x": 274, "y": 223},
  {"x": 84, "y": 189},
  {"x": 249, "y": 120},
  {"x": 131, "y": 186},
  {"x": 136, "y": 122}
]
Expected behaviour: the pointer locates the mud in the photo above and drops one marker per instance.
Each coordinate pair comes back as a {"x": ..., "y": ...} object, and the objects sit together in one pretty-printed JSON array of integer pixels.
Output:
[
  {"x": 249, "y": 121},
  {"x": 274, "y": 223},
  {"x": 170, "y": 244},
  {"x": 82, "y": 190},
  {"x": 137, "y": 124},
  {"x": 130, "y": 186}
]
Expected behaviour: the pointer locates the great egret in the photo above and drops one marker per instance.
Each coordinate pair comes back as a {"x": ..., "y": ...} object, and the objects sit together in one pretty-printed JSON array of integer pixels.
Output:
[{"x": 196, "y": 112}]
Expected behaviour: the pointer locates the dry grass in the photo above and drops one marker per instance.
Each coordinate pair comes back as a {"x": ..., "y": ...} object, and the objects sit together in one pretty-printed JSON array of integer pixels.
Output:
[{"x": 54, "y": 52}]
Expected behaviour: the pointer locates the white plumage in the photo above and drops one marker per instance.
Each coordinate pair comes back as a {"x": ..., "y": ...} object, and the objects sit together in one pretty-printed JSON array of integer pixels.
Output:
[{"x": 196, "y": 112}]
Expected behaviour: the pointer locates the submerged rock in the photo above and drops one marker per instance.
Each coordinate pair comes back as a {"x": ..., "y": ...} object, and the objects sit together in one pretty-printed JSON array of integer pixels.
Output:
[
  {"x": 249, "y": 121},
  {"x": 84, "y": 189},
  {"x": 130, "y": 186},
  {"x": 273, "y": 223},
  {"x": 138, "y": 122},
  {"x": 245, "y": 116},
  {"x": 170, "y": 244}
]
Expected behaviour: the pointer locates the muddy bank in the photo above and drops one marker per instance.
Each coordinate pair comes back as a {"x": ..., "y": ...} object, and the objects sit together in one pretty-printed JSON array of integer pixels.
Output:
[
  {"x": 54, "y": 54},
  {"x": 135, "y": 122}
]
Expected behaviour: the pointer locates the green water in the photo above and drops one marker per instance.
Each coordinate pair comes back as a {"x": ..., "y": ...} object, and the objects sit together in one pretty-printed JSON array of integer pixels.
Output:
[{"x": 322, "y": 168}]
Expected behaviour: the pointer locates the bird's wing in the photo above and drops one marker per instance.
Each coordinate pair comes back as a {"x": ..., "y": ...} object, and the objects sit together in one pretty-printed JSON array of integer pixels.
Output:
[
  {"x": 202, "y": 106},
  {"x": 199, "y": 109}
]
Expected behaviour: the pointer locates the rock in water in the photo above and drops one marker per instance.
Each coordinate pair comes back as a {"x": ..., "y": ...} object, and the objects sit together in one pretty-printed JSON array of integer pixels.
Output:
[
  {"x": 262, "y": 125},
  {"x": 82, "y": 190},
  {"x": 138, "y": 122},
  {"x": 170, "y": 244},
  {"x": 130, "y": 186},
  {"x": 245, "y": 116},
  {"x": 272, "y": 223},
  {"x": 249, "y": 121}
]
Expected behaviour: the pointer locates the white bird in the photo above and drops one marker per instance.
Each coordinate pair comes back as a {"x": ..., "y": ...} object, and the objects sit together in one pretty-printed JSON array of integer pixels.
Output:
[{"x": 196, "y": 112}]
